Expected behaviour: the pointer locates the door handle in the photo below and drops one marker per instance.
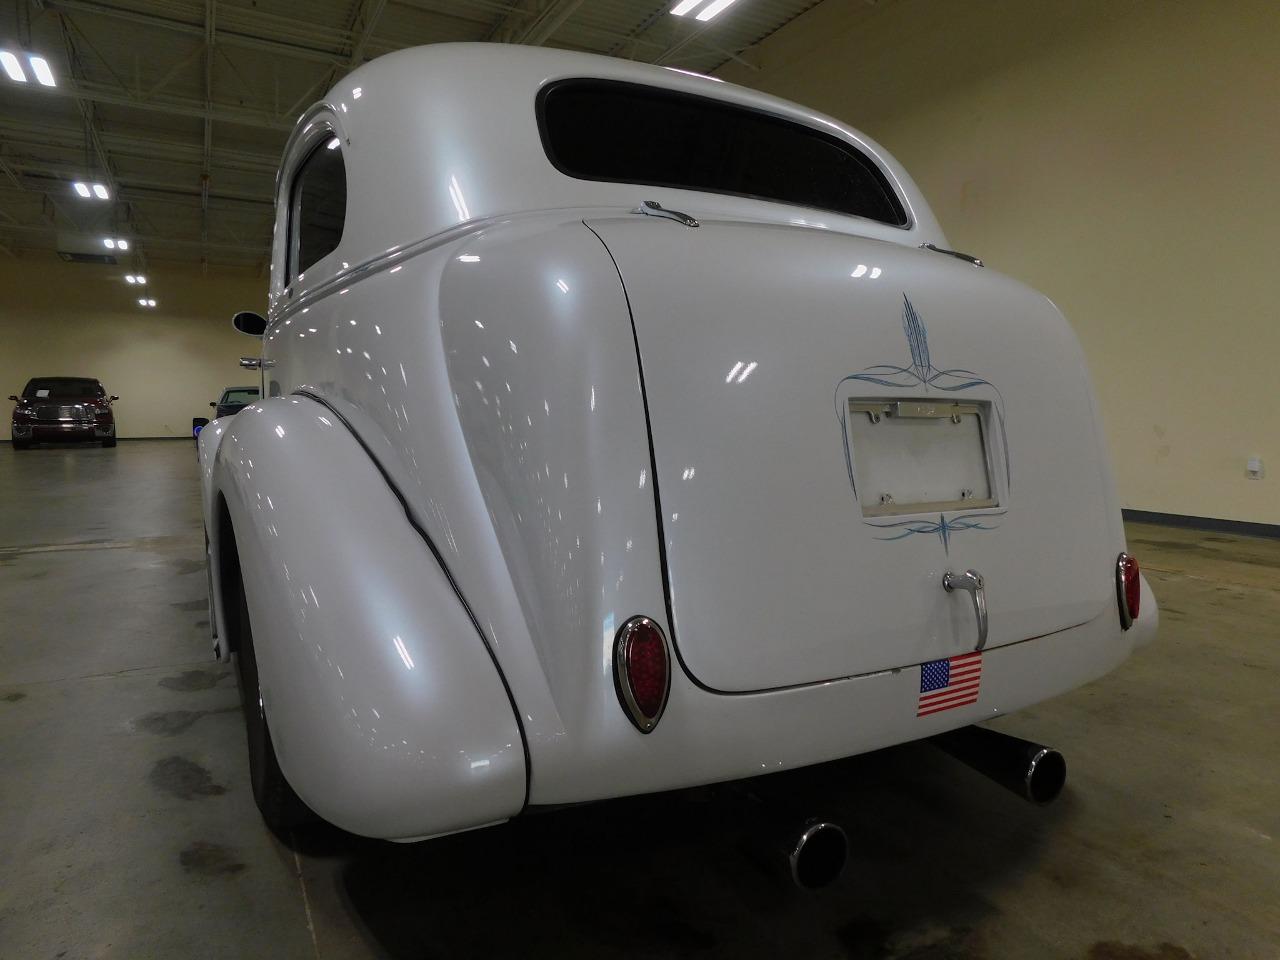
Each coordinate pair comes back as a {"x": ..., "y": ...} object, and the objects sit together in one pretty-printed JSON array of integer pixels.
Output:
[
  {"x": 256, "y": 363},
  {"x": 971, "y": 582}
]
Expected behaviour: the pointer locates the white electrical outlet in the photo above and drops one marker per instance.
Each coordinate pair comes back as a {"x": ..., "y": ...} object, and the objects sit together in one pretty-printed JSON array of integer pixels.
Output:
[{"x": 1254, "y": 469}]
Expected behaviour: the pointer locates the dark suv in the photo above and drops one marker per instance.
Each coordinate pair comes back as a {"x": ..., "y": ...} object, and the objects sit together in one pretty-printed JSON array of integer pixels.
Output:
[{"x": 59, "y": 409}]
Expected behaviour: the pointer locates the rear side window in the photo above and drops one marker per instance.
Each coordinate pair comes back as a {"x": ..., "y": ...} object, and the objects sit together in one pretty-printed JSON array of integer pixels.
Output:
[
  {"x": 318, "y": 207},
  {"x": 631, "y": 133}
]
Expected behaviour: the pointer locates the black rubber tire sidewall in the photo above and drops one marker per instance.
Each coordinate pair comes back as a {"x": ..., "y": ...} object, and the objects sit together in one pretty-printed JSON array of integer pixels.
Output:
[{"x": 281, "y": 808}]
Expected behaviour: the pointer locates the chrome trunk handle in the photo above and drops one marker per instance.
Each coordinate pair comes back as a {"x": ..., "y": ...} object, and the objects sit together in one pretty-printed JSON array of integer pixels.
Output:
[
  {"x": 652, "y": 208},
  {"x": 971, "y": 581},
  {"x": 966, "y": 257}
]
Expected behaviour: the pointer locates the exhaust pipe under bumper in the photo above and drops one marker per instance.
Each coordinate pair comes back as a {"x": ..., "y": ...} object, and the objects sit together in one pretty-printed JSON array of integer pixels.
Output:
[
  {"x": 784, "y": 839},
  {"x": 817, "y": 854},
  {"x": 1031, "y": 770}
]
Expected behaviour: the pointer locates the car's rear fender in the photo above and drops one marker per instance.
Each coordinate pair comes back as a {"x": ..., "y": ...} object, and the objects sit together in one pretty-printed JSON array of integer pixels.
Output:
[
  {"x": 387, "y": 712},
  {"x": 207, "y": 441}
]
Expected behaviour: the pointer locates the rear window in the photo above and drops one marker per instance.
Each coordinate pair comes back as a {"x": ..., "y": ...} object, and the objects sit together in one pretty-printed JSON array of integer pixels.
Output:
[
  {"x": 630, "y": 133},
  {"x": 62, "y": 388}
]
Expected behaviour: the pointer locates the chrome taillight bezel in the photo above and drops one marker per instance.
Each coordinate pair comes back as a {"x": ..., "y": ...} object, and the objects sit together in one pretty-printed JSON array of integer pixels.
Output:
[
  {"x": 1122, "y": 598},
  {"x": 621, "y": 675}
]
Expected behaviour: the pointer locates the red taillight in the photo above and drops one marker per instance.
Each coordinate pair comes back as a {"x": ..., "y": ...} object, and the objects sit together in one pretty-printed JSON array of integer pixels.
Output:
[
  {"x": 1128, "y": 589},
  {"x": 642, "y": 671}
]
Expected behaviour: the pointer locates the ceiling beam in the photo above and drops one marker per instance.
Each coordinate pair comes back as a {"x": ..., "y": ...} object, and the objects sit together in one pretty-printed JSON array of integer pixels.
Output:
[
  {"x": 370, "y": 14},
  {"x": 693, "y": 34},
  {"x": 263, "y": 35},
  {"x": 634, "y": 36},
  {"x": 176, "y": 106},
  {"x": 24, "y": 231},
  {"x": 40, "y": 177},
  {"x": 533, "y": 22},
  {"x": 210, "y": 18},
  {"x": 93, "y": 134},
  {"x": 42, "y": 137}
]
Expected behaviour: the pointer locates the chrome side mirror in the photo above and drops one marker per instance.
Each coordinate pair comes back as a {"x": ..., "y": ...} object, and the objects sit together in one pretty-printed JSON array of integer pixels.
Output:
[{"x": 249, "y": 323}]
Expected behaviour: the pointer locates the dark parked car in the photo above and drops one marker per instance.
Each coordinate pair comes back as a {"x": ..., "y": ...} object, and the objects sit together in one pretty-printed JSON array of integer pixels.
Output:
[
  {"x": 60, "y": 409},
  {"x": 233, "y": 400}
]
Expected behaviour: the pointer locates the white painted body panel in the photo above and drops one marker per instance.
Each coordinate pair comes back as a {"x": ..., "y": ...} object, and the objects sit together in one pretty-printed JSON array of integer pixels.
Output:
[
  {"x": 438, "y": 138},
  {"x": 777, "y": 577},
  {"x": 471, "y": 344},
  {"x": 387, "y": 714}
]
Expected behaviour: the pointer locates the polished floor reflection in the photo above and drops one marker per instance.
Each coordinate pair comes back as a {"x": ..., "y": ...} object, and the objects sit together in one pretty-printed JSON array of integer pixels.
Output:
[{"x": 127, "y": 829}]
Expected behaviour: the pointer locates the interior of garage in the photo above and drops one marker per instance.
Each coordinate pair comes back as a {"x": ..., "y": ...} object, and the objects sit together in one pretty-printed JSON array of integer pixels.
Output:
[{"x": 1118, "y": 158}]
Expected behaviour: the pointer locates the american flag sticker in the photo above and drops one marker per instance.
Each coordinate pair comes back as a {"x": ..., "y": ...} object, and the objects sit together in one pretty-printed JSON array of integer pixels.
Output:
[{"x": 949, "y": 683}]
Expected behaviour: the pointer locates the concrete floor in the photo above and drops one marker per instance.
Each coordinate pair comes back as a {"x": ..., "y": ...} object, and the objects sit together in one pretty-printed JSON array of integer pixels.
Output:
[{"x": 127, "y": 828}]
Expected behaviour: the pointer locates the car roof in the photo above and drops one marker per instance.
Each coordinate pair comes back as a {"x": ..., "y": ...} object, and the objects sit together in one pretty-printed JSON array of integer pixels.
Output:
[{"x": 471, "y": 151}]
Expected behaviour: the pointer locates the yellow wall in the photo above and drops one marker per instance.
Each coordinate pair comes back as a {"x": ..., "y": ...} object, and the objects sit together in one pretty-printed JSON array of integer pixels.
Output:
[
  {"x": 1122, "y": 156},
  {"x": 83, "y": 320}
]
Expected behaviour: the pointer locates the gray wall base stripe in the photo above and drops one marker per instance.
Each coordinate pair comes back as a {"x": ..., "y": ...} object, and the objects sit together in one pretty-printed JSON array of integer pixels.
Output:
[{"x": 1243, "y": 527}]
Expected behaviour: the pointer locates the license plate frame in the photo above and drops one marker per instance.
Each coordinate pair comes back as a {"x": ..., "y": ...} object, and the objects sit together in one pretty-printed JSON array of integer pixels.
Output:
[{"x": 917, "y": 456}]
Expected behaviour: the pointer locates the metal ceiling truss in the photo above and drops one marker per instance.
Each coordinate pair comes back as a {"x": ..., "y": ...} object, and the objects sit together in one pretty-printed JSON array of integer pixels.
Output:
[
  {"x": 533, "y": 21},
  {"x": 186, "y": 132}
]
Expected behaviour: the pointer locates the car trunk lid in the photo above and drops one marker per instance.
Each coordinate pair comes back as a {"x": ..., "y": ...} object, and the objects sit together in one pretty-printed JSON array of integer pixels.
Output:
[{"x": 804, "y": 539}]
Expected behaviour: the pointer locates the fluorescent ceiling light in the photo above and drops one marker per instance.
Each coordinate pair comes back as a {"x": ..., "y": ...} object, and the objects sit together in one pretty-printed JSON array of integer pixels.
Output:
[
  {"x": 40, "y": 67},
  {"x": 12, "y": 67},
  {"x": 151, "y": 303},
  {"x": 715, "y": 8},
  {"x": 684, "y": 6},
  {"x": 122, "y": 244},
  {"x": 130, "y": 278},
  {"x": 140, "y": 278},
  {"x": 100, "y": 191},
  {"x": 142, "y": 302},
  {"x": 110, "y": 244},
  {"x": 81, "y": 188}
]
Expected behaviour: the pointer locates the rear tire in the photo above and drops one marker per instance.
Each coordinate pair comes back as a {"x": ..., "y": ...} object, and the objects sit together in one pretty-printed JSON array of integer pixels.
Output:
[{"x": 281, "y": 808}]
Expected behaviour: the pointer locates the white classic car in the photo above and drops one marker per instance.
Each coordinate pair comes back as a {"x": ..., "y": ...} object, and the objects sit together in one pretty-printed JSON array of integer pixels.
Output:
[{"x": 625, "y": 430}]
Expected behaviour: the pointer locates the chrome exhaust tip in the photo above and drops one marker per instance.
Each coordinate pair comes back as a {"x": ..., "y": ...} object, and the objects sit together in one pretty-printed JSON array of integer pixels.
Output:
[
  {"x": 1045, "y": 777},
  {"x": 818, "y": 855},
  {"x": 1033, "y": 771}
]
